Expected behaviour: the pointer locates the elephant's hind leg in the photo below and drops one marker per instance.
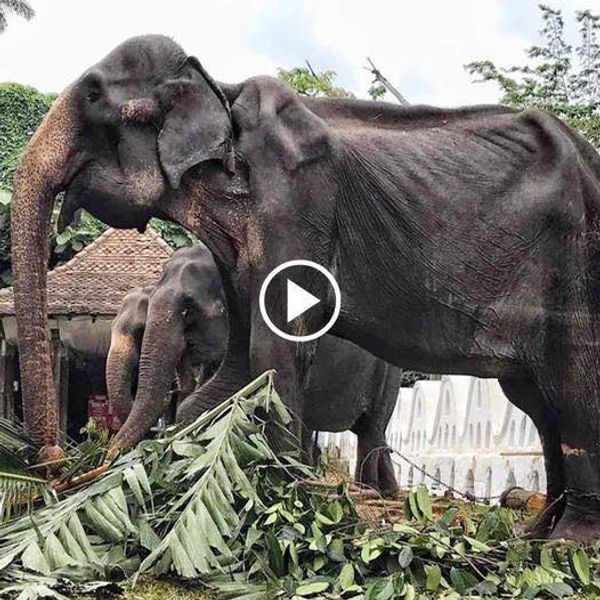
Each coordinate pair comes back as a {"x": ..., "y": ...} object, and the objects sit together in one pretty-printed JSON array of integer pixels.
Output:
[
  {"x": 525, "y": 395},
  {"x": 373, "y": 463}
]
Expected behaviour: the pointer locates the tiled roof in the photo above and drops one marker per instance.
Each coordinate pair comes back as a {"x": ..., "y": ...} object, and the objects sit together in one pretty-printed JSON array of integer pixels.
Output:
[{"x": 96, "y": 279}]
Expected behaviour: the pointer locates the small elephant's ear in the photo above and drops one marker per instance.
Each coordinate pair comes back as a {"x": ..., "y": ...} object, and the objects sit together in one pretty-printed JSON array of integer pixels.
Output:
[{"x": 197, "y": 123}]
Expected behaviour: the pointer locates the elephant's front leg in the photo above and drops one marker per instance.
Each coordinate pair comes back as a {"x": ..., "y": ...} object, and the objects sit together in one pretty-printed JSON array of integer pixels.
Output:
[
  {"x": 290, "y": 361},
  {"x": 269, "y": 351}
]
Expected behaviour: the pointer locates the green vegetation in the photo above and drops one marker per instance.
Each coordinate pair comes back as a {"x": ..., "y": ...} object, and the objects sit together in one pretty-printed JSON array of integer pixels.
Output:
[
  {"x": 225, "y": 503},
  {"x": 308, "y": 82},
  {"x": 557, "y": 77}
]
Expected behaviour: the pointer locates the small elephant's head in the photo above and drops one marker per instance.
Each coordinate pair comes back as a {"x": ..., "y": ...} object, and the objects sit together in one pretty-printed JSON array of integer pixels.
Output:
[{"x": 118, "y": 141}]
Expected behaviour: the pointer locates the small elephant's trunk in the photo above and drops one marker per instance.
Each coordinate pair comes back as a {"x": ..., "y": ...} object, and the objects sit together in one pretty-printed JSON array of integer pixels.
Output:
[
  {"x": 121, "y": 364},
  {"x": 162, "y": 348}
]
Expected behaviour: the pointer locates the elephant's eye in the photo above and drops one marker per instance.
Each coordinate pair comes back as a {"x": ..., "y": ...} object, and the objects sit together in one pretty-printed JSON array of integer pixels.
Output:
[{"x": 93, "y": 96}]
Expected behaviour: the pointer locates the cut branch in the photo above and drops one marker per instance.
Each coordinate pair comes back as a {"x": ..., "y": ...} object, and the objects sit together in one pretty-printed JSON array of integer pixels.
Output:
[{"x": 379, "y": 77}]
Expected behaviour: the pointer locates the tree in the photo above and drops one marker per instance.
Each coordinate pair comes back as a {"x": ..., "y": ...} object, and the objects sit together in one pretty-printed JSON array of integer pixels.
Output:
[
  {"x": 556, "y": 77},
  {"x": 20, "y": 8},
  {"x": 307, "y": 82}
]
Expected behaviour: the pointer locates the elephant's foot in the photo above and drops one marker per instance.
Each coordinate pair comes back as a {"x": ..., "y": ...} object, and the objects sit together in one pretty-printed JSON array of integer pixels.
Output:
[
  {"x": 541, "y": 526},
  {"x": 375, "y": 470},
  {"x": 580, "y": 520}
]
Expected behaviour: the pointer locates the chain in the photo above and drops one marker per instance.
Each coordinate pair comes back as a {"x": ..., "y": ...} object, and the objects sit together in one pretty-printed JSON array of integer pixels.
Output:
[
  {"x": 579, "y": 494},
  {"x": 466, "y": 495}
]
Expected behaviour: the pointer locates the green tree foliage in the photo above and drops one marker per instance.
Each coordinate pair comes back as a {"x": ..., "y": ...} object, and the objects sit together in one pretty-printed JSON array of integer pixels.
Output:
[
  {"x": 307, "y": 82},
  {"x": 377, "y": 91},
  {"x": 557, "y": 77},
  {"x": 20, "y": 8},
  {"x": 22, "y": 109}
]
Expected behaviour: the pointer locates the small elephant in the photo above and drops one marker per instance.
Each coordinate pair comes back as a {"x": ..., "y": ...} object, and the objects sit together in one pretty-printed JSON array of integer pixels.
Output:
[
  {"x": 180, "y": 326},
  {"x": 349, "y": 388},
  {"x": 177, "y": 327}
]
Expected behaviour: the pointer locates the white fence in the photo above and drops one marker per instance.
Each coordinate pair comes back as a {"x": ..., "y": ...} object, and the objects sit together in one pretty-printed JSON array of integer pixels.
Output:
[{"x": 463, "y": 431}]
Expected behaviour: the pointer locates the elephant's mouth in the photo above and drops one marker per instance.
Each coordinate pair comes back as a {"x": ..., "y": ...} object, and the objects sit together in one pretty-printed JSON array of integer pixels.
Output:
[{"x": 111, "y": 208}]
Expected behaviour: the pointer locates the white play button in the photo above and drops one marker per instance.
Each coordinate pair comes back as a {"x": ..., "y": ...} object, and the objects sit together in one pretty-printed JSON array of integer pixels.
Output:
[
  {"x": 298, "y": 300},
  {"x": 289, "y": 300}
]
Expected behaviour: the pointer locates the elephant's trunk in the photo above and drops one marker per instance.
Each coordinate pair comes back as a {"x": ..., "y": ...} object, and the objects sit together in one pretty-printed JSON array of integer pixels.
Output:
[
  {"x": 41, "y": 174},
  {"x": 162, "y": 348},
  {"x": 121, "y": 364}
]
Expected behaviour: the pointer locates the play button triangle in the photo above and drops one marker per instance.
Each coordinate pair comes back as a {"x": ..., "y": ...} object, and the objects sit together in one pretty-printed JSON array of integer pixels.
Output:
[{"x": 298, "y": 300}]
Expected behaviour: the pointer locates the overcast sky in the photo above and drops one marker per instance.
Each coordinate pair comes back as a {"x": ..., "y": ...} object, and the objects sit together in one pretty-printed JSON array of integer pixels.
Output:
[{"x": 421, "y": 45}]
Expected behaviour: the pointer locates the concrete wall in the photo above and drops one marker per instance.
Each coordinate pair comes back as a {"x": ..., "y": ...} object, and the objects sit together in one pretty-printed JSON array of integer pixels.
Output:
[{"x": 464, "y": 431}]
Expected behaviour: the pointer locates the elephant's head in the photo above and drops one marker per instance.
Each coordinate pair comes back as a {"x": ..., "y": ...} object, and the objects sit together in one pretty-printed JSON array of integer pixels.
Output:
[
  {"x": 118, "y": 142},
  {"x": 186, "y": 322}
]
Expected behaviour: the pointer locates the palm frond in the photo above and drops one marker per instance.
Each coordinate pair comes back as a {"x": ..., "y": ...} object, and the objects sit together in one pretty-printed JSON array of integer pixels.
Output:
[
  {"x": 19, "y": 485},
  {"x": 174, "y": 504}
]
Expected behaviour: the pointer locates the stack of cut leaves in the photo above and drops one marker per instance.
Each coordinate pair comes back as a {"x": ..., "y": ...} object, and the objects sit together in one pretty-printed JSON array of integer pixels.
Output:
[{"x": 225, "y": 503}]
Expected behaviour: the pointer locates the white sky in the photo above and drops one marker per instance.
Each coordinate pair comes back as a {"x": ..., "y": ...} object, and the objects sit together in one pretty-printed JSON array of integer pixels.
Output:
[{"x": 421, "y": 45}]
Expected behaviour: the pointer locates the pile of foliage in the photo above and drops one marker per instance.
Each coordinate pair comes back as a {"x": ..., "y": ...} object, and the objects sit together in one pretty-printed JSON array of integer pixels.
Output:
[
  {"x": 225, "y": 503},
  {"x": 558, "y": 77}
]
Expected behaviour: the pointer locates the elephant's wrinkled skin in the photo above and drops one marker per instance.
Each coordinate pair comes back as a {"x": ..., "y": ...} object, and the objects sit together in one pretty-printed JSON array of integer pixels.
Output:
[
  {"x": 464, "y": 240},
  {"x": 177, "y": 327}
]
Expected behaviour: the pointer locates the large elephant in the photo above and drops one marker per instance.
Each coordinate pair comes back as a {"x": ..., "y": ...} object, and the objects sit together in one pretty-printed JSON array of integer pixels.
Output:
[
  {"x": 464, "y": 240},
  {"x": 178, "y": 327}
]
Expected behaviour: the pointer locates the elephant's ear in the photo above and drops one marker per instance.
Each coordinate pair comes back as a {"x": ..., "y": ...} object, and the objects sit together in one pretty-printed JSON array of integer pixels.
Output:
[
  {"x": 197, "y": 123},
  {"x": 279, "y": 130}
]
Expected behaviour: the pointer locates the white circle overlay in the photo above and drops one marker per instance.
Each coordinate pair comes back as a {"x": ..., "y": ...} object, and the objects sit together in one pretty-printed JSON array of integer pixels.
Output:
[{"x": 310, "y": 336}]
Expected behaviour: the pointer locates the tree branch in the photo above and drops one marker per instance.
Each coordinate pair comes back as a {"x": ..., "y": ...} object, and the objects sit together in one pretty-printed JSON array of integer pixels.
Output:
[{"x": 378, "y": 76}]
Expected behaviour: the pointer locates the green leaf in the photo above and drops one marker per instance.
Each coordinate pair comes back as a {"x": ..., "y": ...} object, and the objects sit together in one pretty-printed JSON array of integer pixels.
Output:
[
  {"x": 415, "y": 513},
  {"x": 434, "y": 577},
  {"x": 55, "y": 554},
  {"x": 275, "y": 554},
  {"x": 33, "y": 559},
  {"x": 424, "y": 503},
  {"x": 346, "y": 576},
  {"x": 148, "y": 538},
  {"x": 559, "y": 589},
  {"x": 64, "y": 237},
  {"x": 405, "y": 557},
  {"x": 476, "y": 545},
  {"x": 581, "y": 565},
  {"x": 335, "y": 511},
  {"x": 309, "y": 589},
  {"x": 381, "y": 590}
]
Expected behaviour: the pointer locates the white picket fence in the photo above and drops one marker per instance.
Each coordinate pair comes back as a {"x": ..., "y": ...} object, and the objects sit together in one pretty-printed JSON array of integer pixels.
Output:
[{"x": 463, "y": 431}]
